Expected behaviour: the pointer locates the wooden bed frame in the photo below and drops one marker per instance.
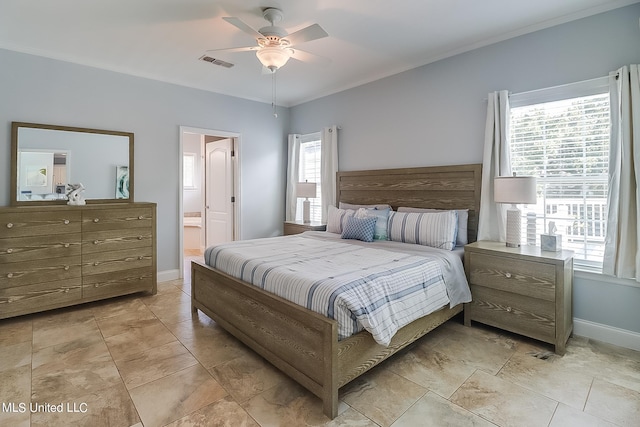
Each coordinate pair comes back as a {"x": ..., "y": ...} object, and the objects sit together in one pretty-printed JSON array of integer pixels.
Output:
[{"x": 304, "y": 344}]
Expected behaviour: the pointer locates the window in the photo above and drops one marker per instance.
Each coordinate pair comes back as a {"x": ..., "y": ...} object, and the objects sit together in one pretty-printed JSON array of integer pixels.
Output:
[
  {"x": 310, "y": 154},
  {"x": 561, "y": 136},
  {"x": 189, "y": 170}
]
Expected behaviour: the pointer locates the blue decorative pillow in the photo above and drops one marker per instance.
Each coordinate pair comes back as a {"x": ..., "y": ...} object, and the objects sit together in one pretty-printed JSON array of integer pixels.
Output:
[
  {"x": 359, "y": 228},
  {"x": 382, "y": 217}
]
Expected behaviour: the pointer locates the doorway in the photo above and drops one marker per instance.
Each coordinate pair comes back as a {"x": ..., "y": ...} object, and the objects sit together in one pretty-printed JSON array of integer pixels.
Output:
[{"x": 210, "y": 196}]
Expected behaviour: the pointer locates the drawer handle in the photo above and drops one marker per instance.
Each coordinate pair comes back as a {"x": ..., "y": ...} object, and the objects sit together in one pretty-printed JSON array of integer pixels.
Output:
[
  {"x": 507, "y": 275},
  {"x": 95, "y": 242},
  {"x": 140, "y": 257},
  {"x": 139, "y": 237},
  {"x": 66, "y": 245},
  {"x": 96, "y": 286},
  {"x": 96, "y": 263},
  {"x": 66, "y": 268},
  {"x": 140, "y": 217},
  {"x": 509, "y": 309},
  {"x": 10, "y": 225},
  {"x": 141, "y": 278},
  {"x": 66, "y": 222},
  {"x": 10, "y": 275},
  {"x": 96, "y": 219},
  {"x": 9, "y": 251},
  {"x": 66, "y": 290}
]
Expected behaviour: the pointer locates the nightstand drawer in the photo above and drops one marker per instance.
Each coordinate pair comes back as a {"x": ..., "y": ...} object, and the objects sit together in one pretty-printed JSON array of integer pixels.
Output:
[
  {"x": 516, "y": 313},
  {"x": 533, "y": 279}
]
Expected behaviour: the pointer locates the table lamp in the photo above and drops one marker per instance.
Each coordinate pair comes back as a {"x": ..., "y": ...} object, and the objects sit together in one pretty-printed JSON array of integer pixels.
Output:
[
  {"x": 306, "y": 190},
  {"x": 514, "y": 190}
]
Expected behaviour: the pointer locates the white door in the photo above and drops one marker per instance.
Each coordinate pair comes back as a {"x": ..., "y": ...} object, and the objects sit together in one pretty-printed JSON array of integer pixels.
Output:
[{"x": 219, "y": 192}]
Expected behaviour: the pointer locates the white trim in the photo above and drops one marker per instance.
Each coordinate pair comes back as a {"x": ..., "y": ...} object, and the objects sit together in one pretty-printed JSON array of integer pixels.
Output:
[
  {"x": 237, "y": 230},
  {"x": 595, "y": 86},
  {"x": 608, "y": 334},
  {"x": 604, "y": 278},
  {"x": 168, "y": 275}
]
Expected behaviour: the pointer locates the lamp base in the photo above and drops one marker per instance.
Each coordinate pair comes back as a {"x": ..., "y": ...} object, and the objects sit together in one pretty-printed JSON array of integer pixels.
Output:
[
  {"x": 514, "y": 227},
  {"x": 306, "y": 211}
]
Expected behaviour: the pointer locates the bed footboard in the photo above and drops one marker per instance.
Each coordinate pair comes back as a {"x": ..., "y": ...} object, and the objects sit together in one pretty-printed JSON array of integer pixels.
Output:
[{"x": 299, "y": 342}]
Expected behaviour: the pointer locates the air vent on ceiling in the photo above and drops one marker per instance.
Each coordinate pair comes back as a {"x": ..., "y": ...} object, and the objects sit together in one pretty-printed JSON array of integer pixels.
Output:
[{"x": 215, "y": 61}]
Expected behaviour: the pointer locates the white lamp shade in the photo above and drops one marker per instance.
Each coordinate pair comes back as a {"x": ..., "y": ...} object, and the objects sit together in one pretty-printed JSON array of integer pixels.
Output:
[
  {"x": 306, "y": 189},
  {"x": 515, "y": 189},
  {"x": 273, "y": 57}
]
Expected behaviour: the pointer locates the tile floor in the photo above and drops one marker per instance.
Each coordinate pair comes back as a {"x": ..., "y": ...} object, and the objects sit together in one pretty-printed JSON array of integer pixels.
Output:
[{"x": 144, "y": 360}]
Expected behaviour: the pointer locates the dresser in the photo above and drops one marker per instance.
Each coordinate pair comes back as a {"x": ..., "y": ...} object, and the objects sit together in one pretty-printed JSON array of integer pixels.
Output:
[
  {"x": 297, "y": 227},
  {"x": 56, "y": 256},
  {"x": 522, "y": 290}
]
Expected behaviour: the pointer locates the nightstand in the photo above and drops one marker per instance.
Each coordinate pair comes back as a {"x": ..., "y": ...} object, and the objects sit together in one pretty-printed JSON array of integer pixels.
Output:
[
  {"x": 297, "y": 227},
  {"x": 522, "y": 290}
]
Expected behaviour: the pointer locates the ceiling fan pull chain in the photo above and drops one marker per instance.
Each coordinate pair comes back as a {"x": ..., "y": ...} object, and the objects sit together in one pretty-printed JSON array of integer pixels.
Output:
[{"x": 273, "y": 94}]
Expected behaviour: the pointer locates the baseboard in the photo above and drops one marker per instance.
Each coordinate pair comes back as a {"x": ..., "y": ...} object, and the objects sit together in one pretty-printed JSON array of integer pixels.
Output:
[
  {"x": 608, "y": 334},
  {"x": 168, "y": 275}
]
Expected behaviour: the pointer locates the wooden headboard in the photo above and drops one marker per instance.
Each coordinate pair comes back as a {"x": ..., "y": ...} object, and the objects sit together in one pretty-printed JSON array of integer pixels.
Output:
[{"x": 437, "y": 187}]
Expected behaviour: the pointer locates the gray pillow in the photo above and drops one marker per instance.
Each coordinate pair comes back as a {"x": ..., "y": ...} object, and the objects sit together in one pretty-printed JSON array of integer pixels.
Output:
[{"x": 463, "y": 219}]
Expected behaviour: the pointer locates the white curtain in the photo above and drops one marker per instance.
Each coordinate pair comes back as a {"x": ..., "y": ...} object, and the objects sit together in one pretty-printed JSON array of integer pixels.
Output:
[
  {"x": 293, "y": 176},
  {"x": 328, "y": 167},
  {"x": 621, "y": 257},
  {"x": 496, "y": 161}
]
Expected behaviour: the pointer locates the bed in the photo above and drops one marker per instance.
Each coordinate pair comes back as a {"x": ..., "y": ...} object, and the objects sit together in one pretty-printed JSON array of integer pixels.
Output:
[{"x": 304, "y": 344}]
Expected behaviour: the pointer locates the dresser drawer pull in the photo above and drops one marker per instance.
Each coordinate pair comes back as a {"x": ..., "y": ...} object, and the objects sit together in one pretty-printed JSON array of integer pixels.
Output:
[
  {"x": 141, "y": 278},
  {"x": 9, "y": 251},
  {"x": 96, "y": 263},
  {"x": 9, "y": 275},
  {"x": 66, "y": 268},
  {"x": 509, "y": 309},
  {"x": 141, "y": 217},
  {"x": 66, "y": 290},
  {"x": 507, "y": 275},
  {"x": 66, "y": 245},
  {"x": 10, "y": 225},
  {"x": 140, "y": 257},
  {"x": 96, "y": 219},
  {"x": 66, "y": 222},
  {"x": 95, "y": 242},
  {"x": 96, "y": 286},
  {"x": 139, "y": 237}
]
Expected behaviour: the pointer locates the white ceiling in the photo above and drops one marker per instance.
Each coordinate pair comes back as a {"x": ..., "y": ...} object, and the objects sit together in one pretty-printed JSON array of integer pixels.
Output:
[{"x": 368, "y": 39}]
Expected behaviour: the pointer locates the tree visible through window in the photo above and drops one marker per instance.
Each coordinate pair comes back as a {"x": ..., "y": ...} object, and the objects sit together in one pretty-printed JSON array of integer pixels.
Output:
[{"x": 565, "y": 144}]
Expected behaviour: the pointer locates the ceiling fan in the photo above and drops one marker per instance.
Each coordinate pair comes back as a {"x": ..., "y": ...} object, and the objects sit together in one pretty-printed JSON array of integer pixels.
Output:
[{"x": 274, "y": 45}]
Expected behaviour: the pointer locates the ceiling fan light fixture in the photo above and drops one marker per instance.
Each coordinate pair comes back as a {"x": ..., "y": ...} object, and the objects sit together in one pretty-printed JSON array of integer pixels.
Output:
[{"x": 273, "y": 57}]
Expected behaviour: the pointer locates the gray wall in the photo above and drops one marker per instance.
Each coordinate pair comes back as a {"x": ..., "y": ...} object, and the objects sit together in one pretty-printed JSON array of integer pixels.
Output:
[
  {"x": 41, "y": 90},
  {"x": 435, "y": 115}
]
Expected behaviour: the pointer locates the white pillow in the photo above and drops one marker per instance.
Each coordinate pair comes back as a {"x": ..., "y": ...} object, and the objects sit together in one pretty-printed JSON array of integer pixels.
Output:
[
  {"x": 463, "y": 220},
  {"x": 435, "y": 229},
  {"x": 337, "y": 218},
  {"x": 356, "y": 207}
]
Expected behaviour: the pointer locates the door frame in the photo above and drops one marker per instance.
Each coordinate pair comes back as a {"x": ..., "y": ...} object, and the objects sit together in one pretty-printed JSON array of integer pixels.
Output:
[{"x": 237, "y": 141}]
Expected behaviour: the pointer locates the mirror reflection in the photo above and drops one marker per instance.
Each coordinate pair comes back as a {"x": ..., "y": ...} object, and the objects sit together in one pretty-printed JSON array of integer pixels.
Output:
[{"x": 48, "y": 158}]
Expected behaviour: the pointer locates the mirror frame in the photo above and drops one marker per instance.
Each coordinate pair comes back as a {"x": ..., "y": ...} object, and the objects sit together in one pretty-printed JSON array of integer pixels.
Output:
[{"x": 14, "y": 163}]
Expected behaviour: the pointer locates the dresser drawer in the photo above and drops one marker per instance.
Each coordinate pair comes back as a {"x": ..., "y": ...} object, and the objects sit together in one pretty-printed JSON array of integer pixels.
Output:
[
  {"x": 115, "y": 240},
  {"x": 105, "y": 262},
  {"x": 98, "y": 286},
  {"x": 34, "y": 248},
  {"x": 39, "y": 223},
  {"x": 117, "y": 219},
  {"x": 522, "y": 277},
  {"x": 51, "y": 294},
  {"x": 516, "y": 313},
  {"x": 39, "y": 271}
]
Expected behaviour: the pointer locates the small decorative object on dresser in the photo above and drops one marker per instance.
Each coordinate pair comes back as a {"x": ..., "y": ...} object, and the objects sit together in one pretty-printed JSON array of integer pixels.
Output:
[
  {"x": 522, "y": 290},
  {"x": 297, "y": 227},
  {"x": 74, "y": 194},
  {"x": 551, "y": 242}
]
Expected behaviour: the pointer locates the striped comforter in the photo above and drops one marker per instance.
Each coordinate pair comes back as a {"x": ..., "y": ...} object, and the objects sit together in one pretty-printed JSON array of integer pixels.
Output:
[{"x": 359, "y": 286}]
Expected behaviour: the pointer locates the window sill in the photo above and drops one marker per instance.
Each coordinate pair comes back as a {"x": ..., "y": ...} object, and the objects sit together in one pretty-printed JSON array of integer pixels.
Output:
[{"x": 583, "y": 272}]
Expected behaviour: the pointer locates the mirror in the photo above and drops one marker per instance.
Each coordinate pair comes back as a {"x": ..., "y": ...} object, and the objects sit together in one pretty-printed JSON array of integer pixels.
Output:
[{"x": 44, "y": 158}]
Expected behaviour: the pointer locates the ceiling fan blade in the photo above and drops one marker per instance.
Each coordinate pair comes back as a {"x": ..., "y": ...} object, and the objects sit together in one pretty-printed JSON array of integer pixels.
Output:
[
  {"x": 238, "y": 23},
  {"x": 312, "y": 32},
  {"x": 235, "y": 49},
  {"x": 304, "y": 56}
]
